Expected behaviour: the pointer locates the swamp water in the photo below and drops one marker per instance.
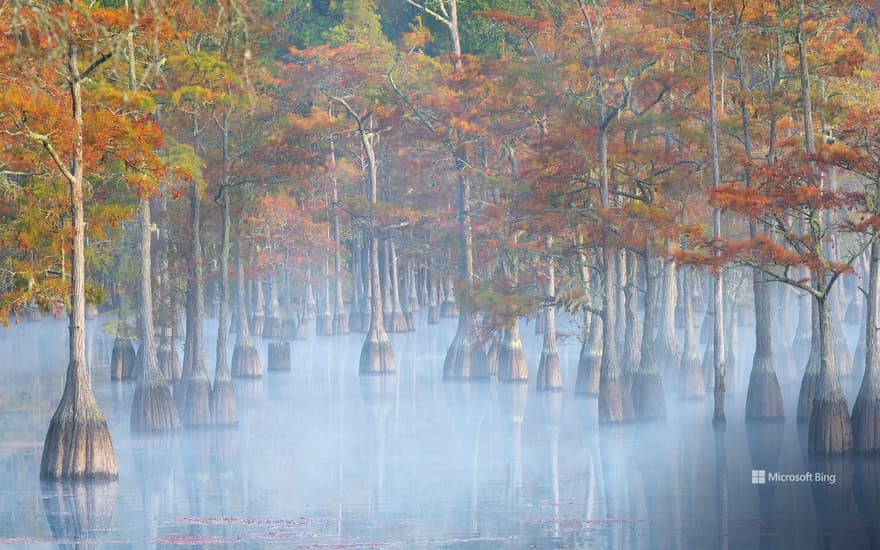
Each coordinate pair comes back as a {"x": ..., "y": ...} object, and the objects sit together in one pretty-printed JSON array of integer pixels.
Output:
[{"x": 324, "y": 458}]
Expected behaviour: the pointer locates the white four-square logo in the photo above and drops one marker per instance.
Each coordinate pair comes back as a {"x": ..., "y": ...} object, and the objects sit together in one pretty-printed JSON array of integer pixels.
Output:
[{"x": 759, "y": 477}]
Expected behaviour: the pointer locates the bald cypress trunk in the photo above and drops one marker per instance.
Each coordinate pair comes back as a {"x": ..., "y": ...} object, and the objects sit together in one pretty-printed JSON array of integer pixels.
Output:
[
  {"x": 830, "y": 431},
  {"x": 633, "y": 331},
  {"x": 245, "y": 358},
  {"x": 153, "y": 408},
  {"x": 866, "y": 409},
  {"x": 377, "y": 356},
  {"x": 648, "y": 397},
  {"x": 197, "y": 388},
  {"x": 224, "y": 410},
  {"x": 465, "y": 357},
  {"x": 691, "y": 374},
  {"x": 78, "y": 443},
  {"x": 549, "y": 374}
]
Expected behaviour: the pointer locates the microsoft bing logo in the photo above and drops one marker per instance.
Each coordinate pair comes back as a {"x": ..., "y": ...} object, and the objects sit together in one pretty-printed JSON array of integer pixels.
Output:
[{"x": 759, "y": 477}]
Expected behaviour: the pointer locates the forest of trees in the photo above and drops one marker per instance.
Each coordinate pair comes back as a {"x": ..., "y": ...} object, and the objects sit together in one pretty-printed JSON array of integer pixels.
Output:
[{"x": 303, "y": 169}]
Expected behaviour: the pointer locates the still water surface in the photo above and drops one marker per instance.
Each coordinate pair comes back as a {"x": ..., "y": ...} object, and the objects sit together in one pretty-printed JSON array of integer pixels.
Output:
[{"x": 323, "y": 458}]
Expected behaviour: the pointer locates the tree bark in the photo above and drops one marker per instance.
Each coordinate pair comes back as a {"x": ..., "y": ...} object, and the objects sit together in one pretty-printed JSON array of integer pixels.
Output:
[
  {"x": 78, "y": 443},
  {"x": 718, "y": 418}
]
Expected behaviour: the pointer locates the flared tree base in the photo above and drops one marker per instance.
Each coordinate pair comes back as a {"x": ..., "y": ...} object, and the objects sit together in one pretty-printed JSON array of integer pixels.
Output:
[
  {"x": 465, "y": 360},
  {"x": 830, "y": 430},
  {"x": 866, "y": 420},
  {"x": 693, "y": 385},
  {"x": 764, "y": 398},
  {"x": 615, "y": 401},
  {"x": 649, "y": 400},
  {"x": 279, "y": 356},
  {"x": 197, "y": 402},
  {"x": 512, "y": 366},
  {"x": 377, "y": 356},
  {"x": 549, "y": 374},
  {"x": 122, "y": 359},
  {"x": 587, "y": 382},
  {"x": 78, "y": 445},
  {"x": 153, "y": 409},
  {"x": 224, "y": 409},
  {"x": 246, "y": 362}
]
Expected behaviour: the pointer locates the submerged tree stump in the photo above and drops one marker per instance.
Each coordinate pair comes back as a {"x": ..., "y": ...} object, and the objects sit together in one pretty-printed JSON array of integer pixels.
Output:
[{"x": 279, "y": 356}]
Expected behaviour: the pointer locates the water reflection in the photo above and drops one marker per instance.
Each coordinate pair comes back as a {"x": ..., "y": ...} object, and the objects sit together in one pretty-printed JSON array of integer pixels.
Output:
[
  {"x": 79, "y": 513},
  {"x": 324, "y": 457}
]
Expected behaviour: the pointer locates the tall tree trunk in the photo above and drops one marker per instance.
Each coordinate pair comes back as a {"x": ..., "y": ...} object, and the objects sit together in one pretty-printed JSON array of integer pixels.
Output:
[
  {"x": 396, "y": 321},
  {"x": 223, "y": 406},
  {"x": 615, "y": 401},
  {"x": 153, "y": 407},
  {"x": 666, "y": 347},
  {"x": 340, "y": 319},
  {"x": 78, "y": 443},
  {"x": 465, "y": 357},
  {"x": 549, "y": 374},
  {"x": 718, "y": 418},
  {"x": 245, "y": 358},
  {"x": 197, "y": 387},
  {"x": 376, "y": 354},
  {"x": 649, "y": 399},
  {"x": 763, "y": 397},
  {"x": 692, "y": 383},
  {"x": 866, "y": 409},
  {"x": 633, "y": 329},
  {"x": 830, "y": 431}
]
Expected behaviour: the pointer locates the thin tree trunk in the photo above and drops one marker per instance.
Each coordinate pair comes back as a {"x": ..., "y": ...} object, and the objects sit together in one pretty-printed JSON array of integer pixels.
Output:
[{"x": 718, "y": 418}]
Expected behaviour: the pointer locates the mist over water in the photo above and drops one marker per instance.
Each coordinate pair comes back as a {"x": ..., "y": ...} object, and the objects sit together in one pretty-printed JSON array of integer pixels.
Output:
[{"x": 323, "y": 457}]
